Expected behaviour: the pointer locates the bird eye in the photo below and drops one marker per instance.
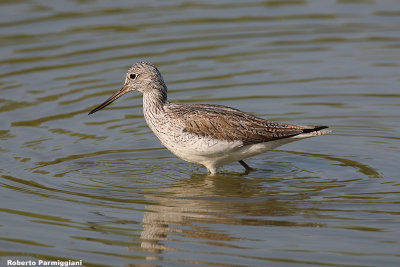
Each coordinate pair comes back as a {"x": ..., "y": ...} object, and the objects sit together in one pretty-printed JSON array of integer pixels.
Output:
[{"x": 132, "y": 76}]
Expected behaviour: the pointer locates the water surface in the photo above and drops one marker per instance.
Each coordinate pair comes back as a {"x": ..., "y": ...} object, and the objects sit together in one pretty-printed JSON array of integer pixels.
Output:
[{"x": 102, "y": 189}]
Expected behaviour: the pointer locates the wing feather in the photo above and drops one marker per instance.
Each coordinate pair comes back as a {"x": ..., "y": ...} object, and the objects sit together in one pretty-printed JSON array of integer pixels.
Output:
[{"x": 225, "y": 123}]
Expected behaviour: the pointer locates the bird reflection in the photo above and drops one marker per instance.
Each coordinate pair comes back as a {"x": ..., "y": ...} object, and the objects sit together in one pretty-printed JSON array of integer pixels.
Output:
[{"x": 183, "y": 207}]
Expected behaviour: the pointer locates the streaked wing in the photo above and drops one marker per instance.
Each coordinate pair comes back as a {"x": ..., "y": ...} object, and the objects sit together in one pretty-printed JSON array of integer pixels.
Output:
[{"x": 224, "y": 123}]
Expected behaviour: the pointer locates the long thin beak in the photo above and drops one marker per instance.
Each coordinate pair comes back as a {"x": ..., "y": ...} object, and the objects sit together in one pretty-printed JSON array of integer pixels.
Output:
[{"x": 111, "y": 99}]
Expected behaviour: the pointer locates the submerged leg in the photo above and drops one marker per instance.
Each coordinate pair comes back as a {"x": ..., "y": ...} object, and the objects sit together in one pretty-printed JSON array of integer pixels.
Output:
[
  {"x": 247, "y": 167},
  {"x": 212, "y": 170}
]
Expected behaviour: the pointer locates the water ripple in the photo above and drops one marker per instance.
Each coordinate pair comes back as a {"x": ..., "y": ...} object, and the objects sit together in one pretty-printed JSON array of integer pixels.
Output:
[{"x": 102, "y": 188}]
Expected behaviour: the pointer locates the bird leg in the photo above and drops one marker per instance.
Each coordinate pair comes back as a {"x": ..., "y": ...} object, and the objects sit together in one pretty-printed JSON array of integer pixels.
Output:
[{"x": 247, "y": 167}]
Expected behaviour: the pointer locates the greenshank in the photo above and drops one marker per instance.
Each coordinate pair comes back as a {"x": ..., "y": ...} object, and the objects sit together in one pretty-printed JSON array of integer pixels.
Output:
[{"x": 209, "y": 135}]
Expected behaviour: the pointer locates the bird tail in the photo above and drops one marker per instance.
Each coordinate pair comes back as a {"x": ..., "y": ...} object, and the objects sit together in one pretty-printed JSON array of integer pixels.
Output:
[{"x": 310, "y": 131}]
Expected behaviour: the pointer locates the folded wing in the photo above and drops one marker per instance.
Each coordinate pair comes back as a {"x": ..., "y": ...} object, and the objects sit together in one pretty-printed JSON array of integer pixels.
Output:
[{"x": 224, "y": 123}]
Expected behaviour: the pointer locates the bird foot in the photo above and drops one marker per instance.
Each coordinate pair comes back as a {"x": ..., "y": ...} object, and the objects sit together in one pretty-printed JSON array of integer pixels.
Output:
[{"x": 247, "y": 167}]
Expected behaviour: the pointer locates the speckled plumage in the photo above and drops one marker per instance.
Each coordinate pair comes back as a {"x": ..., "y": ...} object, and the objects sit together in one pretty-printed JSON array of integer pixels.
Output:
[{"x": 210, "y": 135}]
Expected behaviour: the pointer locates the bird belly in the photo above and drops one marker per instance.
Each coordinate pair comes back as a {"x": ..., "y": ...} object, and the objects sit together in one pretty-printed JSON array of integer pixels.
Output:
[
  {"x": 213, "y": 152},
  {"x": 247, "y": 151},
  {"x": 198, "y": 149}
]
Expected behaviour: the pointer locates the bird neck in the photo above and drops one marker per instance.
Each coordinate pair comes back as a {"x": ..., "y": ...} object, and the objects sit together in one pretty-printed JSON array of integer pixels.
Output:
[{"x": 154, "y": 100}]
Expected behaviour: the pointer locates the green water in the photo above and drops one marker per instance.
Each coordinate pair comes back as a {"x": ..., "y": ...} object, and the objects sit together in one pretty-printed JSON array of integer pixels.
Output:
[{"x": 102, "y": 189}]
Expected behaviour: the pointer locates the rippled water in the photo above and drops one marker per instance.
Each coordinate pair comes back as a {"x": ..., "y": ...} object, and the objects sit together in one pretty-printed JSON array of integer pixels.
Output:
[{"x": 103, "y": 190}]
